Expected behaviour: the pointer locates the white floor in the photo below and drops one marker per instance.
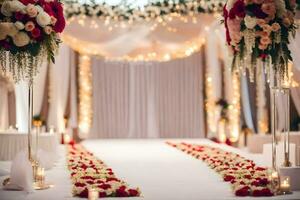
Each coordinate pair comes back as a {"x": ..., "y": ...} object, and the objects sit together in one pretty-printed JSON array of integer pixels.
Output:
[{"x": 162, "y": 172}]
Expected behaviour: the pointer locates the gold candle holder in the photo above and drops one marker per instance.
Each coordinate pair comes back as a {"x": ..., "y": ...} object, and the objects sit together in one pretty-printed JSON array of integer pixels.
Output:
[
  {"x": 285, "y": 185},
  {"x": 39, "y": 179},
  {"x": 93, "y": 194},
  {"x": 40, "y": 176}
]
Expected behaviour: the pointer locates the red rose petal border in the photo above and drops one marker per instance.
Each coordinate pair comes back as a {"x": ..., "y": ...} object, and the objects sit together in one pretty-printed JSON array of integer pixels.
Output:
[
  {"x": 87, "y": 171},
  {"x": 245, "y": 177}
]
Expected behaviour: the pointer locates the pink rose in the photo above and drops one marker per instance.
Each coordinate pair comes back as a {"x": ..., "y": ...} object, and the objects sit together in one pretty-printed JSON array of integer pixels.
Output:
[
  {"x": 234, "y": 25},
  {"x": 286, "y": 22},
  {"x": 48, "y": 30},
  {"x": 29, "y": 26},
  {"x": 260, "y": 22},
  {"x": 53, "y": 20},
  {"x": 31, "y": 10},
  {"x": 267, "y": 28},
  {"x": 275, "y": 27},
  {"x": 262, "y": 46}
]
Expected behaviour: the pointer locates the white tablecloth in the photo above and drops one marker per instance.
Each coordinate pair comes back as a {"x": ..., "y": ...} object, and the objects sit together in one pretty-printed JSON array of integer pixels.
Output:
[
  {"x": 12, "y": 143},
  {"x": 162, "y": 173}
]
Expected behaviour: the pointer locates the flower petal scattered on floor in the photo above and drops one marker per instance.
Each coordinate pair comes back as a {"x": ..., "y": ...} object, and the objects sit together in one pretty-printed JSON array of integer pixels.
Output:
[
  {"x": 245, "y": 177},
  {"x": 87, "y": 171}
]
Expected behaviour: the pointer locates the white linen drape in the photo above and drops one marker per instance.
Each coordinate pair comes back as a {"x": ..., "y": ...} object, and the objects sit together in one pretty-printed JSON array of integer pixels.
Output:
[
  {"x": 148, "y": 100},
  {"x": 59, "y": 86}
]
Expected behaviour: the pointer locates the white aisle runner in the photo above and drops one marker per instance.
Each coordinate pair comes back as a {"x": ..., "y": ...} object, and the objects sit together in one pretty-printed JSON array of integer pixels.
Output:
[{"x": 161, "y": 171}]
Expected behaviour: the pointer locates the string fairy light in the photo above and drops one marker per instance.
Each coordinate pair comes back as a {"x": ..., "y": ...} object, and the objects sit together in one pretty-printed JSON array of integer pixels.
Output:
[
  {"x": 86, "y": 48},
  {"x": 235, "y": 109},
  {"x": 85, "y": 95}
]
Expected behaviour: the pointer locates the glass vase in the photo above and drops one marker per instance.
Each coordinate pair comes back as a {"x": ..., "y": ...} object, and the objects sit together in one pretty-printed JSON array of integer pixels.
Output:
[{"x": 279, "y": 95}]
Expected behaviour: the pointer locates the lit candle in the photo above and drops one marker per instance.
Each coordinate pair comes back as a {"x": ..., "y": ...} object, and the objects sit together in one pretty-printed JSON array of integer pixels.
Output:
[
  {"x": 67, "y": 138},
  {"x": 51, "y": 130},
  {"x": 93, "y": 194},
  {"x": 285, "y": 186},
  {"x": 40, "y": 175}
]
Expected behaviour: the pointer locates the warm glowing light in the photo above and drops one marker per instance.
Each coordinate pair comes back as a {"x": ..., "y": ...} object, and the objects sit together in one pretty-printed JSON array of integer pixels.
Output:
[
  {"x": 85, "y": 94},
  {"x": 222, "y": 130},
  {"x": 235, "y": 109}
]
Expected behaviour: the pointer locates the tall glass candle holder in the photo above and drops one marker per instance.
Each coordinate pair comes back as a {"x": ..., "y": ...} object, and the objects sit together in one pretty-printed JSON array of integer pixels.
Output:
[{"x": 285, "y": 185}]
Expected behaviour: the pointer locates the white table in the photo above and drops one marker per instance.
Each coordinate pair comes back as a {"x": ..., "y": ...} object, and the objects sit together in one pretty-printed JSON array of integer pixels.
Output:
[
  {"x": 162, "y": 172},
  {"x": 13, "y": 142}
]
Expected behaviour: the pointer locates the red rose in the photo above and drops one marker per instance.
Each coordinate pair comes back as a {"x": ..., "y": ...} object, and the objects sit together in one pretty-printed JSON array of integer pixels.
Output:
[
  {"x": 256, "y": 193},
  {"x": 112, "y": 179},
  {"x": 133, "y": 193},
  {"x": 110, "y": 173},
  {"x": 266, "y": 192},
  {"x": 261, "y": 168},
  {"x": 239, "y": 8},
  {"x": 84, "y": 193},
  {"x": 48, "y": 9},
  {"x": 247, "y": 176},
  {"x": 78, "y": 184},
  {"x": 104, "y": 186},
  {"x": 26, "y": 2},
  {"x": 255, "y": 183},
  {"x": 5, "y": 44},
  {"x": 19, "y": 16},
  {"x": 72, "y": 143},
  {"x": 264, "y": 181},
  {"x": 102, "y": 194},
  {"x": 90, "y": 182},
  {"x": 228, "y": 142},
  {"x": 59, "y": 15},
  {"x": 244, "y": 191},
  {"x": 228, "y": 178},
  {"x": 121, "y": 192}
]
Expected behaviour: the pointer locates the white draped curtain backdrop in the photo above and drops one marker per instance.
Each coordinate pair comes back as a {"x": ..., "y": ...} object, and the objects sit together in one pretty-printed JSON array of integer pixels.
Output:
[{"x": 148, "y": 100}]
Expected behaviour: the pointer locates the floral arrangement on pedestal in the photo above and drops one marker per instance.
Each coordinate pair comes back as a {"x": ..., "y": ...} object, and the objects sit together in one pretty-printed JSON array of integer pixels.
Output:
[
  {"x": 259, "y": 30},
  {"x": 245, "y": 177},
  {"x": 89, "y": 172},
  {"x": 29, "y": 32}
]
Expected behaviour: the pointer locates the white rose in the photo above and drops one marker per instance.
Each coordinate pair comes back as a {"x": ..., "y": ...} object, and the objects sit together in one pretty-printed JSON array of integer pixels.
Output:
[
  {"x": 250, "y": 22},
  {"x": 12, "y": 30},
  {"x": 21, "y": 39},
  {"x": 39, "y": 9},
  {"x": 19, "y": 25},
  {"x": 6, "y": 9},
  {"x": 16, "y": 6},
  {"x": 4, "y": 29},
  {"x": 43, "y": 19},
  {"x": 229, "y": 4}
]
